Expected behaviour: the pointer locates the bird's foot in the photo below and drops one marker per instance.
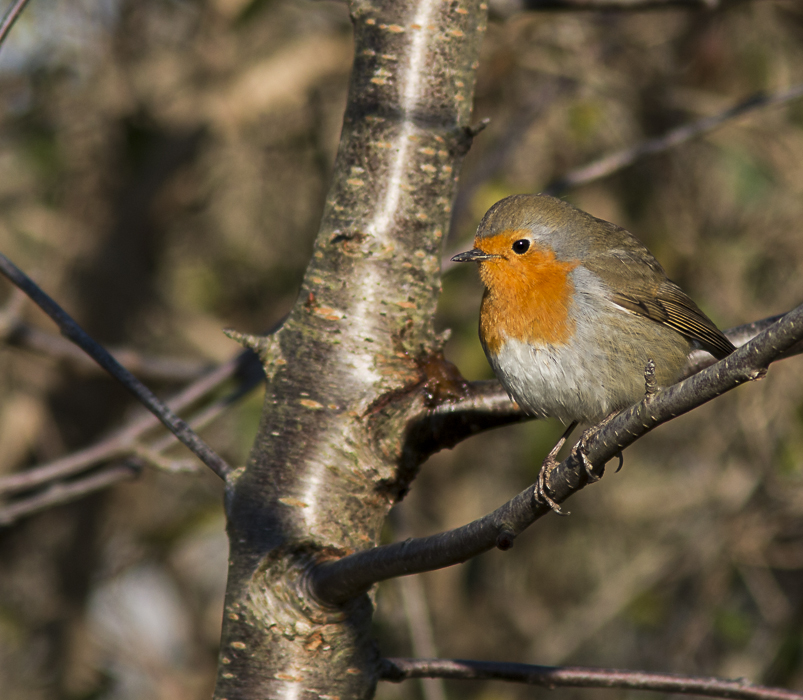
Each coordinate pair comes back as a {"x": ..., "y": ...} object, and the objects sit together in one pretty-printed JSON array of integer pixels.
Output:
[
  {"x": 580, "y": 451},
  {"x": 547, "y": 468},
  {"x": 541, "y": 484}
]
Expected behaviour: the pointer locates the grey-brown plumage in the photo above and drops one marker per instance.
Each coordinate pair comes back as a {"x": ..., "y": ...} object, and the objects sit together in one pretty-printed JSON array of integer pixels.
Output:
[{"x": 576, "y": 306}]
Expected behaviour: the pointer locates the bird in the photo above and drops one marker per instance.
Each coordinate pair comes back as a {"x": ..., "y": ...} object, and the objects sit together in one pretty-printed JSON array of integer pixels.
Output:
[{"x": 574, "y": 309}]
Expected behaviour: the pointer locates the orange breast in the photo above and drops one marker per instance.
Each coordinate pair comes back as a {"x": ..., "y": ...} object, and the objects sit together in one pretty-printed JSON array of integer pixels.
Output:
[{"x": 527, "y": 297}]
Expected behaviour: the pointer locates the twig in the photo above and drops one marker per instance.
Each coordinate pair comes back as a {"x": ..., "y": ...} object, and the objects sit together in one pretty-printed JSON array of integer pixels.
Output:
[
  {"x": 206, "y": 416},
  {"x": 486, "y": 404},
  {"x": 417, "y": 614},
  {"x": 121, "y": 442},
  {"x": 62, "y": 492},
  {"x": 75, "y": 333},
  {"x": 115, "y": 445},
  {"x": 398, "y": 670},
  {"x": 739, "y": 335},
  {"x": 59, "y": 493},
  {"x": 11, "y": 16},
  {"x": 17, "y": 333},
  {"x": 165, "y": 369},
  {"x": 339, "y": 580},
  {"x": 496, "y": 156},
  {"x": 153, "y": 457},
  {"x": 622, "y": 159},
  {"x": 420, "y": 630}
]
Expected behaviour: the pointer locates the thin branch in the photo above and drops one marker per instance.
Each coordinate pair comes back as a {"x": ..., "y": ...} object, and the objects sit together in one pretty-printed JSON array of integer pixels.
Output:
[
  {"x": 417, "y": 615},
  {"x": 338, "y": 580},
  {"x": 209, "y": 414},
  {"x": 63, "y": 492},
  {"x": 116, "y": 445},
  {"x": 11, "y": 16},
  {"x": 419, "y": 627},
  {"x": 74, "y": 332},
  {"x": 60, "y": 492},
  {"x": 397, "y": 670},
  {"x": 122, "y": 441},
  {"x": 486, "y": 405},
  {"x": 620, "y": 160},
  {"x": 626, "y": 157},
  {"x": 165, "y": 369},
  {"x": 147, "y": 455},
  {"x": 738, "y": 335},
  {"x": 495, "y": 158}
]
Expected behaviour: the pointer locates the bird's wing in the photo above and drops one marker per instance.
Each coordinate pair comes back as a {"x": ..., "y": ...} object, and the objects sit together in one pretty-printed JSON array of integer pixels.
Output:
[{"x": 650, "y": 294}]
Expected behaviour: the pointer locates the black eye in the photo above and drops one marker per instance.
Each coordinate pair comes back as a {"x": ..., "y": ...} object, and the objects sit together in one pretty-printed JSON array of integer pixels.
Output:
[{"x": 522, "y": 246}]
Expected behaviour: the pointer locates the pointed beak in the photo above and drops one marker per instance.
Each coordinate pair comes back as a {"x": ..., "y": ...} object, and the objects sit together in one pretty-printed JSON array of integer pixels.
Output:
[{"x": 474, "y": 255}]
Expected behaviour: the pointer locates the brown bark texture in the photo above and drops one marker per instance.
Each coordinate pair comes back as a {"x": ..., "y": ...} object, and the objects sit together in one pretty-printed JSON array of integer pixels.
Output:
[{"x": 356, "y": 359}]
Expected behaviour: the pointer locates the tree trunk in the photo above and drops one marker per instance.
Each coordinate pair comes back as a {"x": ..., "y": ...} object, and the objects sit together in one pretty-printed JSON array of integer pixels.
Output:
[{"x": 356, "y": 358}]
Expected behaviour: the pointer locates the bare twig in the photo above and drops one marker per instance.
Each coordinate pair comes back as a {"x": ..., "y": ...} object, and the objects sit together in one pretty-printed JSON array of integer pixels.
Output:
[
  {"x": 75, "y": 333},
  {"x": 122, "y": 441},
  {"x": 115, "y": 445},
  {"x": 166, "y": 369},
  {"x": 398, "y": 670},
  {"x": 417, "y": 614},
  {"x": 486, "y": 404},
  {"x": 420, "y": 629},
  {"x": 17, "y": 333},
  {"x": 11, "y": 16},
  {"x": 209, "y": 414},
  {"x": 622, "y": 159},
  {"x": 147, "y": 455},
  {"x": 739, "y": 335},
  {"x": 339, "y": 580},
  {"x": 63, "y": 492},
  {"x": 496, "y": 156}
]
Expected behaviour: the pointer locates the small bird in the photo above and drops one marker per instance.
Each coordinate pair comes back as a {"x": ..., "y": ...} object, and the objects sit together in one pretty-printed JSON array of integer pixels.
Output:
[{"x": 574, "y": 309}]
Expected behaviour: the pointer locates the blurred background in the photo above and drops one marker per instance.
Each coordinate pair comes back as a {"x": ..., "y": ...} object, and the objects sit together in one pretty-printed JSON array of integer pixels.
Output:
[{"x": 163, "y": 165}]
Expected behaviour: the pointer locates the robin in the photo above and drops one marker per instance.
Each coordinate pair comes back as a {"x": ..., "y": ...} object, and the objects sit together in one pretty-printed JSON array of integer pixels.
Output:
[{"x": 574, "y": 310}]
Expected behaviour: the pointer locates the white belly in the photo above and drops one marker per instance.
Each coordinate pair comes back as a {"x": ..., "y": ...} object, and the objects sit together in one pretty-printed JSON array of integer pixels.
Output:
[{"x": 598, "y": 371}]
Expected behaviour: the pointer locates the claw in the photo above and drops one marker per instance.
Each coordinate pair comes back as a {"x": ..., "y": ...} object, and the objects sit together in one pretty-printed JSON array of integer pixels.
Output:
[
  {"x": 540, "y": 485},
  {"x": 579, "y": 452},
  {"x": 546, "y": 469},
  {"x": 590, "y": 473},
  {"x": 542, "y": 496}
]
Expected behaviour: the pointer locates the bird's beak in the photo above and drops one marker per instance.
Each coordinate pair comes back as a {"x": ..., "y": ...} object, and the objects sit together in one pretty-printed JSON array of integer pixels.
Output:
[{"x": 474, "y": 255}]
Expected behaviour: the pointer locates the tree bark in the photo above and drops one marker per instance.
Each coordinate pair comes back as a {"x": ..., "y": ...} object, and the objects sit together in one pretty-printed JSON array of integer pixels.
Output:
[{"x": 356, "y": 358}]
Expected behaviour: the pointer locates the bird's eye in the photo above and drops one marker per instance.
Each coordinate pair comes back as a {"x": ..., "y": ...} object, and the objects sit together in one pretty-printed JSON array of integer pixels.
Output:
[{"x": 522, "y": 246}]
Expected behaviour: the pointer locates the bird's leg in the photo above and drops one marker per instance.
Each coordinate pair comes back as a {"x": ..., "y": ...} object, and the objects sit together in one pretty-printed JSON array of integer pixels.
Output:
[
  {"x": 579, "y": 450},
  {"x": 546, "y": 469}
]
